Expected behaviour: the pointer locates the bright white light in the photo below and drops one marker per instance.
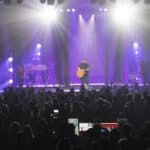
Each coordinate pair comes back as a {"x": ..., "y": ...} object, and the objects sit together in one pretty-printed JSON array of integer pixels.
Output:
[
  {"x": 60, "y": 10},
  {"x": 105, "y": 9},
  {"x": 11, "y": 69},
  {"x": 38, "y": 53},
  {"x": 10, "y": 59},
  {"x": 137, "y": 78},
  {"x": 123, "y": 13},
  {"x": 100, "y": 9},
  {"x": 38, "y": 46},
  {"x": 68, "y": 10},
  {"x": 136, "y": 52},
  {"x": 80, "y": 18},
  {"x": 135, "y": 45},
  {"x": 73, "y": 9},
  {"x": 11, "y": 81},
  {"x": 48, "y": 14},
  {"x": 92, "y": 17}
]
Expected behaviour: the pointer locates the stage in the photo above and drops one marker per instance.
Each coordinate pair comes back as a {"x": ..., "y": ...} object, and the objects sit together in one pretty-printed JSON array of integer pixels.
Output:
[
  {"x": 77, "y": 86},
  {"x": 39, "y": 52}
]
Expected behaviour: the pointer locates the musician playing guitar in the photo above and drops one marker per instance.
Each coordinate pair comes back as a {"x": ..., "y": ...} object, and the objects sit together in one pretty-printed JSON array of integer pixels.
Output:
[{"x": 83, "y": 72}]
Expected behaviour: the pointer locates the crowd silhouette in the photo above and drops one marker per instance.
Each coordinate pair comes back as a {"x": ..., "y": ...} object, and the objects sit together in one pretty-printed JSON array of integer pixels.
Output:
[{"x": 28, "y": 120}]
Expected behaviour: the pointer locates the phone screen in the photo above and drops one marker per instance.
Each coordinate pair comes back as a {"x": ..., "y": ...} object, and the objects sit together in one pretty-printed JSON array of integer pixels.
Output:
[
  {"x": 110, "y": 126},
  {"x": 85, "y": 126},
  {"x": 75, "y": 122}
]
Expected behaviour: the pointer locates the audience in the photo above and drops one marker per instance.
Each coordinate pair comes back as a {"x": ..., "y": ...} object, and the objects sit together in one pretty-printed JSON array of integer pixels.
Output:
[{"x": 36, "y": 118}]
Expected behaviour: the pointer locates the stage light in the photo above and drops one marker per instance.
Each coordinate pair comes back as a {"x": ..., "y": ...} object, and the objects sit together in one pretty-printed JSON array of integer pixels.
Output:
[
  {"x": 11, "y": 69},
  {"x": 136, "y": 52},
  {"x": 48, "y": 14},
  {"x": 7, "y": 1},
  {"x": 38, "y": 53},
  {"x": 73, "y": 10},
  {"x": 10, "y": 59},
  {"x": 60, "y": 1},
  {"x": 19, "y": 1},
  {"x": 80, "y": 17},
  {"x": 147, "y": 1},
  {"x": 123, "y": 13},
  {"x": 68, "y": 10},
  {"x": 60, "y": 10},
  {"x": 11, "y": 81},
  {"x": 42, "y": 1},
  {"x": 100, "y": 9},
  {"x": 136, "y": 1},
  {"x": 105, "y": 9},
  {"x": 135, "y": 45},
  {"x": 50, "y": 2},
  {"x": 38, "y": 46},
  {"x": 93, "y": 1},
  {"x": 92, "y": 17},
  {"x": 102, "y": 2}
]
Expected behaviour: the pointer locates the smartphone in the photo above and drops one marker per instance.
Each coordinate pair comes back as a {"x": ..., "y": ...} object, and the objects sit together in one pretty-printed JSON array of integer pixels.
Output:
[
  {"x": 75, "y": 122},
  {"x": 56, "y": 111},
  {"x": 109, "y": 126},
  {"x": 85, "y": 126}
]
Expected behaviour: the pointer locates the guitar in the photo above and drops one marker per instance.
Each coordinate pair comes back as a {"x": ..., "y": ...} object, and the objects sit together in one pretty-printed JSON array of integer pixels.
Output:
[{"x": 80, "y": 73}]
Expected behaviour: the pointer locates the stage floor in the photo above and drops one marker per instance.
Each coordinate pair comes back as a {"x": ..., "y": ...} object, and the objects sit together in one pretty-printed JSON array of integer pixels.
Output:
[{"x": 75, "y": 86}]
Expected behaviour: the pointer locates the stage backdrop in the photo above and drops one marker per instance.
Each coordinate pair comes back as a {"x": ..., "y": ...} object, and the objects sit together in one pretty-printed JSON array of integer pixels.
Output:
[{"x": 107, "y": 47}]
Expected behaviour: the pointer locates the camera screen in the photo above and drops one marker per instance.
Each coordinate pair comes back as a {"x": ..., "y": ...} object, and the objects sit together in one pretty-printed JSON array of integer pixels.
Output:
[
  {"x": 85, "y": 126},
  {"x": 75, "y": 122},
  {"x": 56, "y": 111}
]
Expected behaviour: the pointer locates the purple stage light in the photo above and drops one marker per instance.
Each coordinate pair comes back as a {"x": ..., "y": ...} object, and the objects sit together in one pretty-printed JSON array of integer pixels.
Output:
[
  {"x": 11, "y": 69},
  {"x": 137, "y": 79},
  {"x": 38, "y": 53},
  {"x": 105, "y": 9},
  {"x": 38, "y": 46},
  {"x": 135, "y": 45},
  {"x": 68, "y": 10},
  {"x": 11, "y": 81},
  {"x": 10, "y": 59},
  {"x": 100, "y": 9},
  {"x": 136, "y": 52},
  {"x": 73, "y": 10},
  {"x": 60, "y": 10}
]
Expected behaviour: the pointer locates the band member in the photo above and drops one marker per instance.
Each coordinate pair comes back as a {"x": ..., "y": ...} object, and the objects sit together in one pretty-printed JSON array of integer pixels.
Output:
[{"x": 83, "y": 70}]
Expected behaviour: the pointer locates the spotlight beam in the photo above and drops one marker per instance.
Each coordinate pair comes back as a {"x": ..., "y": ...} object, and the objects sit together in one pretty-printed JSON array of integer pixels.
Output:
[
  {"x": 48, "y": 14},
  {"x": 123, "y": 13}
]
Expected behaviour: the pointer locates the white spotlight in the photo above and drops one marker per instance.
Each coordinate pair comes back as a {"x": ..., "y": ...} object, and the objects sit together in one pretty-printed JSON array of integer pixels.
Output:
[
  {"x": 105, "y": 9},
  {"x": 73, "y": 10},
  {"x": 92, "y": 17},
  {"x": 135, "y": 45},
  {"x": 123, "y": 13},
  {"x": 10, "y": 59},
  {"x": 38, "y": 46},
  {"x": 38, "y": 53},
  {"x": 60, "y": 10},
  {"x": 100, "y": 9},
  {"x": 49, "y": 14},
  {"x": 11, "y": 81},
  {"x": 11, "y": 69},
  {"x": 68, "y": 10},
  {"x": 80, "y": 17},
  {"x": 136, "y": 52}
]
